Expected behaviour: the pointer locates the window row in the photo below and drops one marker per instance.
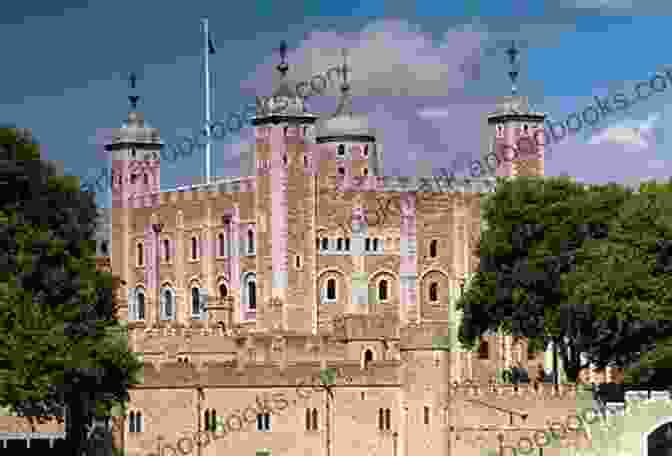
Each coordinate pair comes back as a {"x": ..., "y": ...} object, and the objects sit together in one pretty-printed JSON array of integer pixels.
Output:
[
  {"x": 354, "y": 149},
  {"x": 328, "y": 292},
  {"x": 343, "y": 244},
  {"x": 224, "y": 248},
  {"x": 384, "y": 419},
  {"x": 199, "y": 299},
  {"x": 135, "y": 422}
]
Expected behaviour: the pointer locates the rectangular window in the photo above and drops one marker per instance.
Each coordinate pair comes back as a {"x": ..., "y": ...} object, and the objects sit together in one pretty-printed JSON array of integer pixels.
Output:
[
  {"x": 426, "y": 415},
  {"x": 264, "y": 422}
]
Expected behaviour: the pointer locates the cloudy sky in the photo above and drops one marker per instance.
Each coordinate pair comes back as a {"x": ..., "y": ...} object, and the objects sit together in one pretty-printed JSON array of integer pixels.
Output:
[{"x": 427, "y": 73}]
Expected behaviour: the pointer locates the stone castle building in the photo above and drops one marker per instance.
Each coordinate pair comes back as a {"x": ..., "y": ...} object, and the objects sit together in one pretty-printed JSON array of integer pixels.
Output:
[{"x": 312, "y": 259}]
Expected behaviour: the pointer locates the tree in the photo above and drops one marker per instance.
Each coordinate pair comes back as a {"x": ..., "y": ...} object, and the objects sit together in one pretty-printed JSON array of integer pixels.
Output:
[
  {"x": 628, "y": 276},
  {"x": 59, "y": 342},
  {"x": 535, "y": 228}
]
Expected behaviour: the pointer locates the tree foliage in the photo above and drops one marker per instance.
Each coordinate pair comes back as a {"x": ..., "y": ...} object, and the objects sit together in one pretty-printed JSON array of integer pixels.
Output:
[
  {"x": 537, "y": 254},
  {"x": 59, "y": 343}
]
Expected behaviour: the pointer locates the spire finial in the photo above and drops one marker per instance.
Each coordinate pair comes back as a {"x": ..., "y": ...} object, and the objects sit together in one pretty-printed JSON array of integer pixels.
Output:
[
  {"x": 133, "y": 98},
  {"x": 346, "y": 69},
  {"x": 283, "y": 67},
  {"x": 513, "y": 74}
]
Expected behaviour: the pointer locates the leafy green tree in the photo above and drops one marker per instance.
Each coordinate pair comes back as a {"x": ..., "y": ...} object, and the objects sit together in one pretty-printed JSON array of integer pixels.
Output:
[
  {"x": 628, "y": 277},
  {"x": 535, "y": 229},
  {"x": 59, "y": 342}
]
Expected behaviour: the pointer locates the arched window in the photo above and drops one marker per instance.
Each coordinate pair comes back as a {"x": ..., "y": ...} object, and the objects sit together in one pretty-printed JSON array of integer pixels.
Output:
[
  {"x": 131, "y": 422},
  {"x": 426, "y": 415},
  {"x": 223, "y": 292},
  {"x": 250, "y": 241},
  {"x": 484, "y": 350},
  {"x": 331, "y": 289},
  {"x": 325, "y": 243},
  {"x": 341, "y": 171},
  {"x": 285, "y": 130},
  {"x": 382, "y": 290},
  {"x": 434, "y": 292},
  {"x": 375, "y": 244},
  {"x": 381, "y": 419},
  {"x": 284, "y": 159},
  {"x": 432, "y": 248},
  {"x": 341, "y": 149},
  {"x": 305, "y": 160},
  {"x": 250, "y": 292},
  {"x": 166, "y": 250},
  {"x": 314, "y": 419},
  {"x": 365, "y": 172},
  {"x": 220, "y": 240},
  {"x": 366, "y": 150},
  {"x": 195, "y": 302},
  {"x": 368, "y": 357},
  {"x": 207, "y": 419},
  {"x": 138, "y": 422},
  {"x": 347, "y": 244},
  {"x": 139, "y": 254},
  {"x": 339, "y": 244},
  {"x": 103, "y": 247},
  {"x": 145, "y": 179},
  {"x": 193, "y": 248},
  {"x": 140, "y": 304},
  {"x": 167, "y": 303},
  {"x": 388, "y": 419},
  {"x": 308, "y": 420},
  {"x": 298, "y": 262},
  {"x": 367, "y": 244}
]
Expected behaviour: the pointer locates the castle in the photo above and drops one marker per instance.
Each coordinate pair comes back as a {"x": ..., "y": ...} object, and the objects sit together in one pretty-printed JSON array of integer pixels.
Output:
[{"x": 249, "y": 287}]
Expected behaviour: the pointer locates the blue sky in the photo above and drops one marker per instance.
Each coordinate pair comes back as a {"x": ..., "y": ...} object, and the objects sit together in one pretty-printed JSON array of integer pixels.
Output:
[{"x": 427, "y": 73}]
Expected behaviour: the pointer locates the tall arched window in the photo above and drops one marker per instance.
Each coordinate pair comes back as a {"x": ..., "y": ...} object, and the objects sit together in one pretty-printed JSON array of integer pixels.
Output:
[
  {"x": 145, "y": 179},
  {"x": 195, "y": 302},
  {"x": 308, "y": 421},
  {"x": 339, "y": 244},
  {"x": 382, "y": 290},
  {"x": 131, "y": 422},
  {"x": 375, "y": 244},
  {"x": 166, "y": 250},
  {"x": 367, "y": 244},
  {"x": 341, "y": 149},
  {"x": 366, "y": 150},
  {"x": 207, "y": 419},
  {"x": 193, "y": 248},
  {"x": 135, "y": 422},
  {"x": 167, "y": 303},
  {"x": 223, "y": 292},
  {"x": 141, "y": 304},
  {"x": 220, "y": 240},
  {"x": 388, "y": 419},
  {"x": 250, "y": 294},
  {"x": 381, "y": 419},
  {"x": 434, "y": 292},
  {"x": 250, "y": 241},
  {"x": 325, "y": 243},
  {"x": 139, "y": 255},
  {"x": 347, "y": 244},
  {"x": 432, "y": 248},
  {"x": 331, "y": 289},
  {"x": 368, "y": 357},
  {"x": 484, "y": 350},
  {"x": 314, "y": 419}
]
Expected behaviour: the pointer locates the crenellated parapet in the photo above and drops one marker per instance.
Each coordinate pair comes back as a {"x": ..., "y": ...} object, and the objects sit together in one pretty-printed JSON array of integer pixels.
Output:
[
  {"x": 369, "y": 326},
  {"x": 251, "y": 375}
]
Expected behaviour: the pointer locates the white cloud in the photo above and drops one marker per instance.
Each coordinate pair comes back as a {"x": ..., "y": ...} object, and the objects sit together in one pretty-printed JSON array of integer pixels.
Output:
[
  {"x": 387, "y": 57},
  {"x": 632, "y": 133}
]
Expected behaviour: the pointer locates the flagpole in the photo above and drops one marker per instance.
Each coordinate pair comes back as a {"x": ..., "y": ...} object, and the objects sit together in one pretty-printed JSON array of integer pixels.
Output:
[{"x": 206, "y": 49}]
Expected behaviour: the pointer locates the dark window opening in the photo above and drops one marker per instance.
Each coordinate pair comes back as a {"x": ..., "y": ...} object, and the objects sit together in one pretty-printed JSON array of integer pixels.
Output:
[
  {"x": 140, "y": 255},
  {"x": 252, "y": 295},
  {"x": 250, "y": 241},
  {"x": 331, "y": 289},
  {"x": 325, "y": 243},
  {"x": 432, "y": 249},
  {"x": 367, "y": 244},
  {"x": 223, "y": 292},
  {"x": 166, "y": 249},
  {"x": 347, "y": 244},
  {"x": 339, "y": 244},
  {"x": 341, "y": 171},
  {"x": 382, "y": 290},
  {"x": 193, "y": 248},
  {"x": 141, "y": 306},
  {"x": 341, "y": 149},
  {"x": 220, "y": 239},
  {"x": 484, "y": 350},
  {"x": 195, "y": 304},
  {"x": 434, "y": 292}
]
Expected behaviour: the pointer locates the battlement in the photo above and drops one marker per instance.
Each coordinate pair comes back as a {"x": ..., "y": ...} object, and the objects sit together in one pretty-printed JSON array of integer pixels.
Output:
[
  {"x": 523, "y": 391},
  {"x": 236, "y": 374}
]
